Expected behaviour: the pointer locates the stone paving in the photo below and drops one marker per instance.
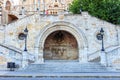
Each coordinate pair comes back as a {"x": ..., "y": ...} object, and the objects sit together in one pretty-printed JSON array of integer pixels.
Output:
[
  {"x": 14, "y": 75},
  {"x": 59, "y": 78},
  {"x": 80, "y": 75}
]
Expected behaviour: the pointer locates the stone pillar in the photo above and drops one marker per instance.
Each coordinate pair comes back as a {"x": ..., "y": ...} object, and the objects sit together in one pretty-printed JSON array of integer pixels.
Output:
[
  {"x": 24, "y": 59},
  {"x": 83, "y": 55},
  {"x": 36, "y": 54},
  {"x": 103, "y": 58},
  {"x": 39, "y": 56}
]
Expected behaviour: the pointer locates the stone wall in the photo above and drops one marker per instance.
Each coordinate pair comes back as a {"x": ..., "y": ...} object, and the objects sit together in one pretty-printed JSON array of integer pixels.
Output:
[
  {"x": 8, "y": 54},
  {"x": 83, "y": 27}
]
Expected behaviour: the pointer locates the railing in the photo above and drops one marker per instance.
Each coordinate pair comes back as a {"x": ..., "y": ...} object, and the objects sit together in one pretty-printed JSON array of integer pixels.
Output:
[
  {"x": 11, "y": 53},
  {"x": 113, "y": 55},
  {"x": 11, "y": 48},
  {"x": 32, "y": 8},
  {"x": 96, "y": 54},
  {"x": 3, "y": 67},
  {"x": 14, "y": 54}
]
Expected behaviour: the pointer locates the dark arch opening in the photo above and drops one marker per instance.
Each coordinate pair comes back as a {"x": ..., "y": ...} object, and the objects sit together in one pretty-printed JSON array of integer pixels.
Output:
[
  {"x": 61, "y": 45},
  {"x": 12, "y": 18}
]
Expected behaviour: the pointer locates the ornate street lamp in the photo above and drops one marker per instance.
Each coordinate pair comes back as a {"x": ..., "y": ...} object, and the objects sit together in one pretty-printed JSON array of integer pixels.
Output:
[
  {"x": 102, "y": 34},
  {"x": 25, "y": 35}
]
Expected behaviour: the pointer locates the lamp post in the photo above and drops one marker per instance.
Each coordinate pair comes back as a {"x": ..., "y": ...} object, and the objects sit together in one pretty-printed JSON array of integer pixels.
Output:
[
  {"x": 103, "y": 54},
  {"x": 24, "y": 54},
  {"x": 25, "y": 34},
  {"x": 102, "y": 34}
]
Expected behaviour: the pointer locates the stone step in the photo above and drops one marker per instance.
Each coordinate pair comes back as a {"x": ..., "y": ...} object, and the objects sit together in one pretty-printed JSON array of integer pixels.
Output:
[{"x": 51, "y": 67}]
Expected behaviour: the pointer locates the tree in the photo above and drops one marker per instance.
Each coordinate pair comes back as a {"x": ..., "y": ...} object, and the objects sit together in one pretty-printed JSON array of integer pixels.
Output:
[{"x": 108, "y": 10}]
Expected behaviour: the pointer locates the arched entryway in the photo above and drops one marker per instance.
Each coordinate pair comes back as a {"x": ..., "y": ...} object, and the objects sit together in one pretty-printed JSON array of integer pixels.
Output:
[
  {"x": 65, "y": 28},
  {"x": 61, "y": 45}
]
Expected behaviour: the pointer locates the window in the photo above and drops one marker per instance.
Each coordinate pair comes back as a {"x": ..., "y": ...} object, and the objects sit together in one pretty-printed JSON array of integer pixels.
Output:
[
  {"x": 8, "y": 5},
  {"x": 55, "y": 5},
  {"x": 24, "y": 0}
]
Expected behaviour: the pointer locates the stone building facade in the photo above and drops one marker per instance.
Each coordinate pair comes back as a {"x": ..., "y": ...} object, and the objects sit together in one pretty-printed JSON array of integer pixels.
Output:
[
  {"x": 72, "y": 38},
  {"x": 12, "y": 9},
  {"x": 62, "y": 37}
]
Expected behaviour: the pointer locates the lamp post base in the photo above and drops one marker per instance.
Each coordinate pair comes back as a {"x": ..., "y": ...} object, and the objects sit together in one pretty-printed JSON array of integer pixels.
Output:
[
  {"x": 103, "y": 58},
  {"x": 24, "y": 60}
]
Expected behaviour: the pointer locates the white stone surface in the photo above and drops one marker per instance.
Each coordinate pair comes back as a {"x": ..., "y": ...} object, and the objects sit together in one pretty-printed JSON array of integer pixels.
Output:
[{"x": 83, "y": 27}]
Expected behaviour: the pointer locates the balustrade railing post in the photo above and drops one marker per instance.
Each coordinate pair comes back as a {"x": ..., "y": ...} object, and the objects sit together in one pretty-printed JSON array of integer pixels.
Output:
[
  {"x": 24, "y": 59},
  {"x": 103, "y": 58}
]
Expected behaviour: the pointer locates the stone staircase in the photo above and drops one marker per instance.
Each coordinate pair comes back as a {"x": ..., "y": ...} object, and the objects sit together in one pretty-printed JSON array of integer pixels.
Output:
[{"x": 65, "y": 67}]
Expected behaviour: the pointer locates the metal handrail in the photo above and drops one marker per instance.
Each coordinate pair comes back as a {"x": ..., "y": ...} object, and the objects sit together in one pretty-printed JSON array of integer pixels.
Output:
[{"x": 12, "y": 48}]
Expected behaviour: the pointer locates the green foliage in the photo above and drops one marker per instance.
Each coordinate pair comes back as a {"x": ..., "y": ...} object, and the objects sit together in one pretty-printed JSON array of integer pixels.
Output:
[{"x": 108, "y": 10}]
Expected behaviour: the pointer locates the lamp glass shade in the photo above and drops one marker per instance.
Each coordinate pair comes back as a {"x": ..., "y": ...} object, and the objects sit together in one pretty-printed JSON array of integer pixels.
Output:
[{"x": 102, "y": 31}]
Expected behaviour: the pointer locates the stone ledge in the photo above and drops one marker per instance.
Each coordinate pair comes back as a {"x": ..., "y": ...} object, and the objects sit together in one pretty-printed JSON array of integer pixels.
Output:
[{"x": 62, "y": 75}]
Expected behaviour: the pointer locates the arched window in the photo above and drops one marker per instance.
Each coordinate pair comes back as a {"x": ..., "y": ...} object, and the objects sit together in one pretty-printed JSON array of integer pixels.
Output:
[
  {"x": 8, "y": 5},
  {"x": 51, "y": 12},
  {"x": 55, "y": 0},
  {"x": 55, "y": 5},
  {"x": 55, "y": 12}
]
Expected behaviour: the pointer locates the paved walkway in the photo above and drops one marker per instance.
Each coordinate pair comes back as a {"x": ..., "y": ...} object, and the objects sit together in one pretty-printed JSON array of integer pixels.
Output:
[
  {"x": 59, "y": 79},
  {"x": 64, "y": 75}
]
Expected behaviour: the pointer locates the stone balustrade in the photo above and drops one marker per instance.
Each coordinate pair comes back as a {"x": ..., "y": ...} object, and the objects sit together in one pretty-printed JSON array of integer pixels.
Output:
[
  {"x": 113, "y": 58},
  {"x": 12, "y": 54}
]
